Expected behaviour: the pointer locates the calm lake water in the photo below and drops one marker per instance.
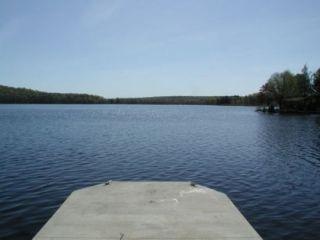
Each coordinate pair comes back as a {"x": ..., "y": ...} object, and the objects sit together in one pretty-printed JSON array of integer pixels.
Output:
[{"x": 269, "y": 165}]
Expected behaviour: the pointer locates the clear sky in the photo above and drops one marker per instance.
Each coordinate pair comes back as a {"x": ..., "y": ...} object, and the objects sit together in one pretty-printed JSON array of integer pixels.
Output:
[{"x": 132, "y": 48}]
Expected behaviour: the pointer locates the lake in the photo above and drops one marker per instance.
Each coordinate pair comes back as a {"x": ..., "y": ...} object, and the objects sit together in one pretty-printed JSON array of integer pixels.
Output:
[{"x": 269, "y": 165}]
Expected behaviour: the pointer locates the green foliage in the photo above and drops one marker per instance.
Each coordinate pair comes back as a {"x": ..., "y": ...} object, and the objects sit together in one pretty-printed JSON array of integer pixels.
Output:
[
  {"x": 291, "y": 91},
  {"x": 316, "y": 81},
  {"x": 23, "y": 95},
  {"x": 280, "y": 86},
  {"x": 304, "y": 81},
  {"x": 250, "y": 100},
  {"x": 285, "y": 89}
]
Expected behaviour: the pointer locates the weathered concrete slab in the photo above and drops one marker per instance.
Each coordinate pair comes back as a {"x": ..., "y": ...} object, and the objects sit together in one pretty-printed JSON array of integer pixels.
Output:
[{"x": 147, "y": 210}]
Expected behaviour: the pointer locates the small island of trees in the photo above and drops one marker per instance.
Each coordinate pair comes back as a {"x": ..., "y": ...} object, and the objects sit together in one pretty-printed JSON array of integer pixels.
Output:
[
  {"x": 284, "y": 92},
  {"x": 292, "y": 93}
]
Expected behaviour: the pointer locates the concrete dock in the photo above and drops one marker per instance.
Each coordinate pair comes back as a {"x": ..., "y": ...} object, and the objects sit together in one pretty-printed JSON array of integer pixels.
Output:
[{"x": 147, "y": 210}]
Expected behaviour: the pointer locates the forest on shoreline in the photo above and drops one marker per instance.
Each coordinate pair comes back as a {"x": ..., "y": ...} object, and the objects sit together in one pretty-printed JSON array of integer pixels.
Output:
[
  {"x": 24, "y": 95},
  {"x": 292, "y": 93},
  {"x": 284, "y": 91}
]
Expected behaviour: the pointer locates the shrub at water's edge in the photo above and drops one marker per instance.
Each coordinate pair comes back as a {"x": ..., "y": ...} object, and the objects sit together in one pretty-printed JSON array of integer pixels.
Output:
[{"x": 23, "y": 95}]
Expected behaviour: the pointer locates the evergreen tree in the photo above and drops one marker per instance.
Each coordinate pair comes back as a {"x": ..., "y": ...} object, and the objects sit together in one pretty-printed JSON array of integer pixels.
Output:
[
  {"x": 304, "y": 81},
  {"x": 316, "y": 81}
]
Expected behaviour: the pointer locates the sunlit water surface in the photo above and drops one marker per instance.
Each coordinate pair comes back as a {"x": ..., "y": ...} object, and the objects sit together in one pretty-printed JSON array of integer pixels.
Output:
[{"x": 269, "y": 165}]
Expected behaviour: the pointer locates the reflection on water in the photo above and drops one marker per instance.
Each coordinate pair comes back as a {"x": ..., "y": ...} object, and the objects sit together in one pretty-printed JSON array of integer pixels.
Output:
[
  {"x": 318, "y": 120},
  {"x": 268, "y": 164}
]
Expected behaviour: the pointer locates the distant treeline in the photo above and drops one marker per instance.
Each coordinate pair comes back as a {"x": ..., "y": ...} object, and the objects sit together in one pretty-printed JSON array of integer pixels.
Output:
[
  {"x": 250, "y": 100},
  {"x": 285, "y": 91},
  {"x": 23, "y": 95}
]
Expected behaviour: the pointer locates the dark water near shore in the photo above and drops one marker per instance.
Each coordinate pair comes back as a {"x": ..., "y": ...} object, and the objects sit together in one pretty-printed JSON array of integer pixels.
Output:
[{"x": 269, "y": 165}]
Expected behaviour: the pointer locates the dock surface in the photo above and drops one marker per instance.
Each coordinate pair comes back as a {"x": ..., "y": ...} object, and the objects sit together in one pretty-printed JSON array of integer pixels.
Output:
[{"x": 147, "y": 210}]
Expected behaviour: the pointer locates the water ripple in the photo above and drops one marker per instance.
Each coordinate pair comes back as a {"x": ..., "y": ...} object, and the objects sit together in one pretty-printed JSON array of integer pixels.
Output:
[{"x": 269, "y": 165}]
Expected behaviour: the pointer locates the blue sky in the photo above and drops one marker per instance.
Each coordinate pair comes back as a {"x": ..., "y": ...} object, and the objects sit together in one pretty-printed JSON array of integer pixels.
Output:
[{"x": 118, "y": 48}]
